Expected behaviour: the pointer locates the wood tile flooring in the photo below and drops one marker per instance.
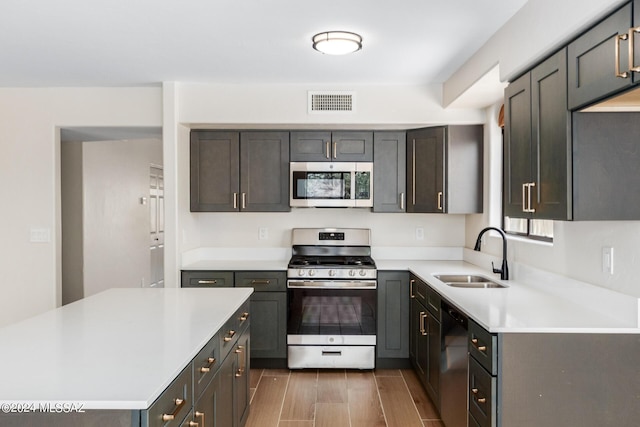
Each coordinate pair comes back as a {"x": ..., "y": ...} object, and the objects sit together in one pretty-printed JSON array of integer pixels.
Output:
[{"x": 339, "y": 398}]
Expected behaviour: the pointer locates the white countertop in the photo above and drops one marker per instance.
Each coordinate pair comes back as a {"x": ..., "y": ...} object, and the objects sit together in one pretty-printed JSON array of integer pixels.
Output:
[{"x": 118, "y": 349}]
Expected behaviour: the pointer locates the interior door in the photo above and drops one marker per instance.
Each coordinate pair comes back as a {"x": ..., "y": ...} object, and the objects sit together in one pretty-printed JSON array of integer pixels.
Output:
[{"x": 156, "y": 225}]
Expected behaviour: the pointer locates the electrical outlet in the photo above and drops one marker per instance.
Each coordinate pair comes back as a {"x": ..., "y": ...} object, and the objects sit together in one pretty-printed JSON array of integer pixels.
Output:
[
  {"x": 419, "y": 233},
  {"x": 40, "y": 235},
  {"x": 607, "y": 259},
  {"x": 263, "y": 233}
]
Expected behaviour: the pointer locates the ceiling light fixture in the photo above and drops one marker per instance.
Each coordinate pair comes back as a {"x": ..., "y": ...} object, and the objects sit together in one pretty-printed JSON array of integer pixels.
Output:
[{"x": 337, "y": 42}]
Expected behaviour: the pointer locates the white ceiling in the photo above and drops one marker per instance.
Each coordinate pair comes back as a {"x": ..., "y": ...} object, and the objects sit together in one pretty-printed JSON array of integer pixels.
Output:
[{"x": 146, "y": 42}]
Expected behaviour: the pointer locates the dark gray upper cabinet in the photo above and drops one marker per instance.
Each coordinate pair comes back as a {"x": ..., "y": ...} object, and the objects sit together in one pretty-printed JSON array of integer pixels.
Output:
[
  {"x": 239, "y": 171},
  {"x": 389, "y": 171},
  {"x": 326, "y": 146},
  {"x": 606, "y": 155},
  {"x": 444, "y": 169},
  {"x": 595, "y": 71},
  {"x": 537, "y": 149}
]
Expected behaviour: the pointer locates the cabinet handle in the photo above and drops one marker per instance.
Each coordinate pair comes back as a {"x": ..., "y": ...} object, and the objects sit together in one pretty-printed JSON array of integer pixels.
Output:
[
  {"x": 423, "y": 329},
  {"x": 179, "y": 404},
  {"x": 475, "y": 392},
  {"x": 482, "y": 348},
  {"x": 240, "y": 371},
  {"x": 244, "y": 200},
  {"x": 529, "y": 208},
  {"x": 335, "y": 150},
  {"x": 632, "y": 33},
  {"x": 235, "y": 200},
  {"x": 207, "y": 282},
  {"x": 402, "y": 201},
  {"x": 193, "y": 424},
  {"x": 229, "y": 336},
  {"x": 413, "y": 177},
  {"x": 624, "y": 74},
  {"x": 440, "y": 200},
  {"x": 244, "y": 316},
  {"x": 411, "y": 282},
  {"x": 327, "y": 149},
  {"x": 260, "y": 282},
  {"x": 211, "y": 361},
  {"x": 524, "y": 197},
  {"x": 200, "y": 415}
]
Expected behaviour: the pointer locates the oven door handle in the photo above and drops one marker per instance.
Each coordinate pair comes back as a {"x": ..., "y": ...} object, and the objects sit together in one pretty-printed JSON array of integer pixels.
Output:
[{"x": 328, "y": 284}]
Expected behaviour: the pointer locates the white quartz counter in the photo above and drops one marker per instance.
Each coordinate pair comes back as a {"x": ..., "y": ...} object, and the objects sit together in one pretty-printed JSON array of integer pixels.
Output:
[
  {"x": 547, "y": 304},
  {"x": 115, "y": 350}
]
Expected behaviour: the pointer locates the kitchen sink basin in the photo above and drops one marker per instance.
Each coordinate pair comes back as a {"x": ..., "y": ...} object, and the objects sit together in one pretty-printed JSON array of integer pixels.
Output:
[{"x": 468, "y": 281}]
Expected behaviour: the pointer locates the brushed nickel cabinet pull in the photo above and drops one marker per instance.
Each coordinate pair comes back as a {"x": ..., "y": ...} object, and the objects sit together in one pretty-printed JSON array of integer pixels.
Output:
[
  {"x": 440, "y": 200},
  {"x": 402, "y": 201},
  {"x": 335, "y": 150},
  {"x": 327, "y": 150},
  {"x": 632, "y": 53},
  {"x": 624, "y": 74},
  {"x": 235, "y": 200},
  {"x": 411, "y": 294},
  {"x": 207, "y": 282},
  {"x": 172, "y": 416},
  {"x": 229, "y": 336},
  {"x": 244, "y": 200},
  {"x": 524, "y": 197}
]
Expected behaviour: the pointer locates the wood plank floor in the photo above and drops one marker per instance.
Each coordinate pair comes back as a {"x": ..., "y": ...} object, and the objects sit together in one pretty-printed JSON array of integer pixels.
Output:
[{"x": 339, "y": 398}]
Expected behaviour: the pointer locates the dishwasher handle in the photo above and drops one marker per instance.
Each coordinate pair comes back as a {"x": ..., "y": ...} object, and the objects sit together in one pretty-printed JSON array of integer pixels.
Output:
[{"x": 456, "y": 315}]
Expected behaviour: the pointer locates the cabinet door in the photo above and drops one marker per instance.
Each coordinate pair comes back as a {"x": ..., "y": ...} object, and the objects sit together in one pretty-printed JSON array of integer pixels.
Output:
[
  {"x": 420, "y": 343},
  {"x": 269, "y": 325},
  {"x": 310, "y": 146},
  {"x": 224, "y": 410},
  {"x": 241, "y": 380},
  {"x": 517, "y": 145},
  {"x": 208, "y": 405},
  {"x": 551, "y": 140},
  {"x": 592, "y": 60},
  {"x": 433, "y": 364},
  {"x": 393, "y": 314},
  {"x": 425, "y": 170},
  {"x": 214, "y": 171},
  {"x": 389, "y": 171},
  {"x": 352, "y": 146},
  {"x": 264, "y": 171}
]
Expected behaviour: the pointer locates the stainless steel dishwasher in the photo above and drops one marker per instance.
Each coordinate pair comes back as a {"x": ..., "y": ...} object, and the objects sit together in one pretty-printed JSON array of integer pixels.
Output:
[{"x": 454, "y": 367}]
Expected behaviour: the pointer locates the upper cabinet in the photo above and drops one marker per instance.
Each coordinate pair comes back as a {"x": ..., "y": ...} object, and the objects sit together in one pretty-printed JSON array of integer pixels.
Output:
[
  {"x": 444, "y": 169},
  {"x": 537, "y": 149},
  {"x": 326, "y": 146},
  {"x": 239, "y": 171},
  {"x": 389, "y": 171}
]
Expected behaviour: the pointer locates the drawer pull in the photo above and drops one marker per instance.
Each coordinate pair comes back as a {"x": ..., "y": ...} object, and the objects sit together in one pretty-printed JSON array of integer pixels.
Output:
[
  {"x": 179, "y": 404},
  {"x": 411, "y": 282},
  {"x": 200, "y": 414},
  {"x": 193, "y": 424},
  {"x": 239, "y": 349},
  {"x": 207, "y": 282},
  {"x": 423, "y": 328},
  {"x": 260, "y": 282},
  {"x": 205, "y": 369},
  {"x": 229, "y": 336},
  {"x": 481, "y": 400},
  {"x": 475, "y": 392},
  {"x": 244, "y": 316},
  {"x": 482, "y": 348}
]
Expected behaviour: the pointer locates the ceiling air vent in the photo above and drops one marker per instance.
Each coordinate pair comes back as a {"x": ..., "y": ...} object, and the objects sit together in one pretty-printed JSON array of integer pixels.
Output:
[{"x": 331, "y": 102}]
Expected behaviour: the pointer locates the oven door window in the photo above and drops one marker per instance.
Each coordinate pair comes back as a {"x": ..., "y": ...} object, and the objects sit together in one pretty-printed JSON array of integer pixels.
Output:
[
  {"x": 332, "y": 312},
  {"x": 321, "y": 185}
]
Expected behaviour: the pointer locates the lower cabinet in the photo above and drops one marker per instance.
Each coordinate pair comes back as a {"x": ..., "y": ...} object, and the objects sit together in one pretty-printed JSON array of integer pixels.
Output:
[{"x": 393, "y": 317}]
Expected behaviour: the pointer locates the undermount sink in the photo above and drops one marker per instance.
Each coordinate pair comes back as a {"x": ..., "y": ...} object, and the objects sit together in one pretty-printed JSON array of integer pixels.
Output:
[{"x": 468, "y": 281}]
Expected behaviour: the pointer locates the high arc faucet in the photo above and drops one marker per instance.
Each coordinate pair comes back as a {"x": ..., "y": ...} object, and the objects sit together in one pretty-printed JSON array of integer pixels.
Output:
[{"x": 504, "y": 270}]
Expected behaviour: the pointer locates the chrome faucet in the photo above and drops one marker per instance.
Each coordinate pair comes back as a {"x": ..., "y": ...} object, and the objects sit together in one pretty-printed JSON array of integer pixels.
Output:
[{"x": 504, "y": 271}]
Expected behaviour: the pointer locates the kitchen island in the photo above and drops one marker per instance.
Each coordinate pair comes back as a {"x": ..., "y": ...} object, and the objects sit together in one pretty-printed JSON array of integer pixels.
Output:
[{"x": 108, "y": 359}]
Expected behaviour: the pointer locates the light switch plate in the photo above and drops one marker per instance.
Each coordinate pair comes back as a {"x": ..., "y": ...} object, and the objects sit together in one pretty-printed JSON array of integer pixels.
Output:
[
  {"x": 607, "y": 259},
  {"x": 263, "y": 233},
  {"x": 40, "y": 235},
  {"x": 419, "y": 233}
]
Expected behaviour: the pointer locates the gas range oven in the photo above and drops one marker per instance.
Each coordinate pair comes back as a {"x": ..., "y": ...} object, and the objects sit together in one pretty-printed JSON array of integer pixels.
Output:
[{"x": 332, "y": 298}]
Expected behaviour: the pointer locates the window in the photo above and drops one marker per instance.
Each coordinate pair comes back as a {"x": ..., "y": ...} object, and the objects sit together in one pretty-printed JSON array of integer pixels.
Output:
[{"x": 541, "y": 229}]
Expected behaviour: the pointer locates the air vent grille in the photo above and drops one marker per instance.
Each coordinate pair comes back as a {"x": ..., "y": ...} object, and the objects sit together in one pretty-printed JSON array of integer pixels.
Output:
[{"x": 331, "y": 102}]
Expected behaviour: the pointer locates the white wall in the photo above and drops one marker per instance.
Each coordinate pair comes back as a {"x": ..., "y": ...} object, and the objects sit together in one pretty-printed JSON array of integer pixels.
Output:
[{"x": 30, "y": 180}]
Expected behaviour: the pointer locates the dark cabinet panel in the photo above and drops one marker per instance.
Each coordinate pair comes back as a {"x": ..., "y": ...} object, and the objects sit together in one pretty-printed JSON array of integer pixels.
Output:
[
  {"x": 215, "y": 165},
  {"x": 206, "y": 279},
  {"x": 241, "y": 366},
  {"x": 592, "y": 60},
  {"x": 269, "y": 325},
  {"x": 393, "y": 314},
  {"x": 425, "y": 170},
  {"x": 537, "y": 144},
  {"x": 389, "y": 171},
  {"x": 327, "y": 146}
]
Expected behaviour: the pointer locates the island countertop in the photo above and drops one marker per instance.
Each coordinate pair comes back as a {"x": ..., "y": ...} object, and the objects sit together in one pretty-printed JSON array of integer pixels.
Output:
[{"x": 118, "y": 349}]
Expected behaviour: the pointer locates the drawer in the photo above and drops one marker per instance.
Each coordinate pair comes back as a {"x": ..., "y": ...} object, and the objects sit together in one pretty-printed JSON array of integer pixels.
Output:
[
  {"x": 232, "y": 329},
  {"x": 483, "y": 346},
  {"x": 418, "y": 290},
  {"x": 433, "y": 302},
  {"x": 207, "y": 279},
  {"x": 205, "y": 365},
  {"x": 482, "y": 395},
  {"x": 262, "y": 281},
  {"x": 174, "y": 403}
]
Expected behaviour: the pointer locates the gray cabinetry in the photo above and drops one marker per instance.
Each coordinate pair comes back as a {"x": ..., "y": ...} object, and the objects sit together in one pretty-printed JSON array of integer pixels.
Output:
[
  {"x": 444, "y": 169},
  {"x": 425, "y": 336},
  {"x": 268, "y": 308},
  {"x": 483, "y": 371},
  {"x": 327, "y": 146},
  {"x": 389, "y": 171},
  {"x": 239, "y": 171},
  {"x": 537, "y": 155},
  {"x": 595, "y": 70},
  {"x": 393, "y": 316}
]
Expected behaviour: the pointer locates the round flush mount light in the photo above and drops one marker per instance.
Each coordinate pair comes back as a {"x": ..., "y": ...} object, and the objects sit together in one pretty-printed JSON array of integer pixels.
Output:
[{"x": 337, "y": 42}]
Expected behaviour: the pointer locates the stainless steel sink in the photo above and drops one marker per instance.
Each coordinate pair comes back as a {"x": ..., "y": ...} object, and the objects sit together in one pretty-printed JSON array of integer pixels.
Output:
[{"x": 468, "y": 281}]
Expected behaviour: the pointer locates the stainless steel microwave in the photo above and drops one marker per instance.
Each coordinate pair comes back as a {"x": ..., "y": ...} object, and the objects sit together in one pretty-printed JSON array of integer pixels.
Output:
[{"x": 331, "y": 184}]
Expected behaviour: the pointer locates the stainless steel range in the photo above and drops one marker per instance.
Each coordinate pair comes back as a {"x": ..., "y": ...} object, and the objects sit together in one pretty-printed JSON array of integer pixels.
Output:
[{"x": 332, "y": 287}]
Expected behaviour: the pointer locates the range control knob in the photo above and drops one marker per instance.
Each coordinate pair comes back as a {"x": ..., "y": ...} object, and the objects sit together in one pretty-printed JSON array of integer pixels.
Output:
[
  {"x": 352, "y": 273},
  {"x": 301, "y": 272},
  {"x": 332, "y": 273},
  {"x": 312, "y": 272},
  {"x": 362, "y": 272}
]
